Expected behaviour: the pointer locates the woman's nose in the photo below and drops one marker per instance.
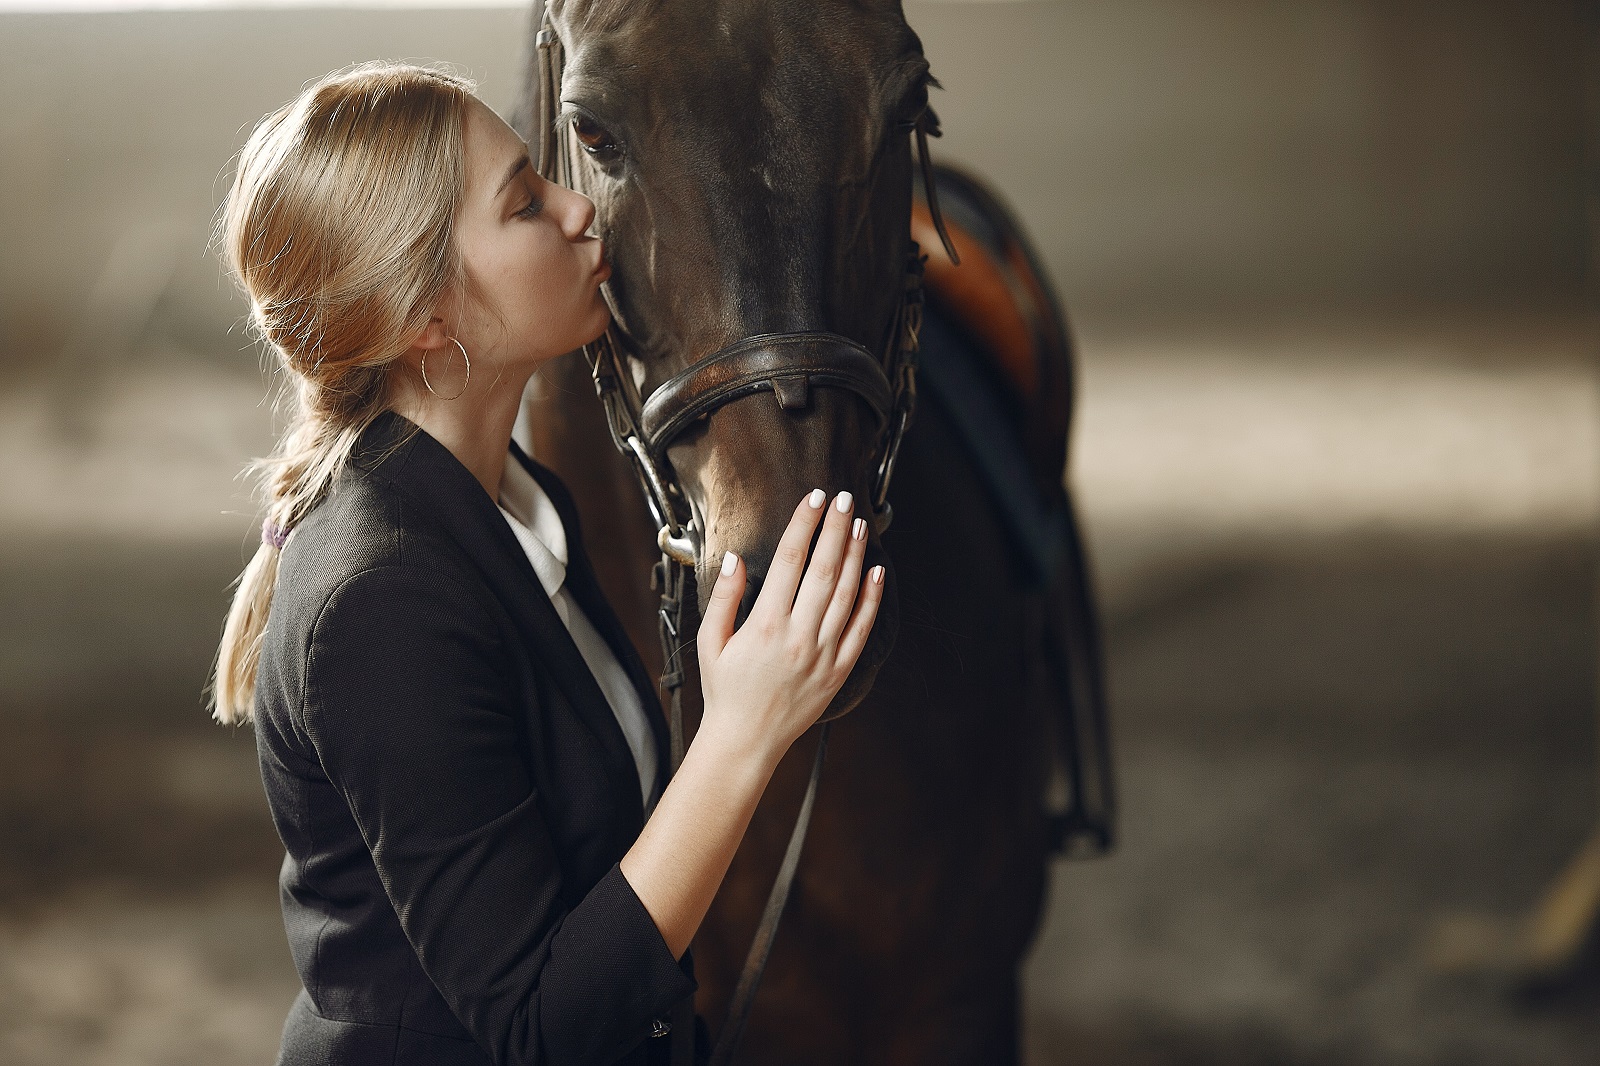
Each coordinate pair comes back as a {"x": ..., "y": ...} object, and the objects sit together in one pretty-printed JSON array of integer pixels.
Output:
[{"x": 580, "y": 216}]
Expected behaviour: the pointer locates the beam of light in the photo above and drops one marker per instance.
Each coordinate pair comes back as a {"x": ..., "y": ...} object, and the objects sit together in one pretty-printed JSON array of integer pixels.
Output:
[{"x": 51, "y": 7}]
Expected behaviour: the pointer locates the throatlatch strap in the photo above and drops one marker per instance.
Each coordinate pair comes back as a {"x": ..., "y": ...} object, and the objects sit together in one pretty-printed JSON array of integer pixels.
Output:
[{"x": 933, "y": 194}]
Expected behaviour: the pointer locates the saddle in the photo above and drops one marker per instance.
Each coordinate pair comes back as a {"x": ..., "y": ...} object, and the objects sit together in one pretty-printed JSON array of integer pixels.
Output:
[
  {"x": 997, "y": 355},
  {"x": 997, "y": 352}
]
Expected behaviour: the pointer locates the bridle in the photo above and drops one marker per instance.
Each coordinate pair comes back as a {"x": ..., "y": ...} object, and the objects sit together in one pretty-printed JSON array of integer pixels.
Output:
[{"x": 788, "y": 365}]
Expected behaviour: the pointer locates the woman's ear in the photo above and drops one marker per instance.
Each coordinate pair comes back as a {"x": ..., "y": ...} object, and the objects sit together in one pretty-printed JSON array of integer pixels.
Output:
[{"x": 432, "y": 336}]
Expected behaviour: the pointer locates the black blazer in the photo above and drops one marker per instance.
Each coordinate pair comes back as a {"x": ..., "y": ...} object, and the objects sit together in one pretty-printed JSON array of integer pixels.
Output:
[{"x": 451, "y": 786}]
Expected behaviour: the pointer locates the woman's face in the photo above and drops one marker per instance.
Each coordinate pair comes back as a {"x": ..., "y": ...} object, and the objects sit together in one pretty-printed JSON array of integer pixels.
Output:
[{"x": 524, "y": 245}]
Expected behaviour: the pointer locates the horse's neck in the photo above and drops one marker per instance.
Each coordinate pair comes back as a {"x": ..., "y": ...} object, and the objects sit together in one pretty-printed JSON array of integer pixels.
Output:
[{"x": 566, "y": 431}]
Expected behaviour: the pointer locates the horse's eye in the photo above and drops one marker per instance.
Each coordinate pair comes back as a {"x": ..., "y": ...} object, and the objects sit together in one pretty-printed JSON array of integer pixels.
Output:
[{"x": 596, "y": 139}]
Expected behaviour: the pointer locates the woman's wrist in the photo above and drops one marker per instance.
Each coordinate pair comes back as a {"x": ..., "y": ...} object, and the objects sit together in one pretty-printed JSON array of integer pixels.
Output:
[{"x": 737, "y": 749}]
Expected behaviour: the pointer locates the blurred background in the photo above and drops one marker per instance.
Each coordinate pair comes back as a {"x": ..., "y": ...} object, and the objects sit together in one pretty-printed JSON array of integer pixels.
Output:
[{"x": 1331, "y": 268}]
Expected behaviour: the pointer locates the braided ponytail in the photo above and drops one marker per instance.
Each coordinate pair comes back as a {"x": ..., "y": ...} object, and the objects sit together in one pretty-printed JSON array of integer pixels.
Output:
[{"x": 339, "y": 228}]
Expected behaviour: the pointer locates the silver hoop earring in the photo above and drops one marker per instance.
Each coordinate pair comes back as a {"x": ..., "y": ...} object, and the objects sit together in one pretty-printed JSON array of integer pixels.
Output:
[{"x": 464, "y": 384}]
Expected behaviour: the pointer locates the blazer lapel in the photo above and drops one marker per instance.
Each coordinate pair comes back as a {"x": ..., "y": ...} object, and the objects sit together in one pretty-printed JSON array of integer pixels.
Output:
[
  {"x": 428, "y": 474},
  {"x": 586, "y": 590}
]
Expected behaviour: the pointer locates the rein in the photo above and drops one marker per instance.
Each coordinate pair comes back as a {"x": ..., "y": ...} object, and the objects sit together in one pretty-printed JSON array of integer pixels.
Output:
[{"x": 788, "y": 365}]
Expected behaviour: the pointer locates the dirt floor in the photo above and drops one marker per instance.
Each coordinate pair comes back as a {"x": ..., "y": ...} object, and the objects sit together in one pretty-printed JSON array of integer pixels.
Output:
[
  {"x": 1348, "y": 580},
  {"x": 1322, "y": 758}
]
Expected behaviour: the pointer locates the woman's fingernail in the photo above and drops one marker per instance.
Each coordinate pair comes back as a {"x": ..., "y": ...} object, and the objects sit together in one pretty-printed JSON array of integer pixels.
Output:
[
  {"x": 843, "y": 502},
  {"x": 877, "y": 575},
  {"x": 859, "y": 529},
  {"x": 730, "y": 563},
  {"x": 816, "y": 498}
]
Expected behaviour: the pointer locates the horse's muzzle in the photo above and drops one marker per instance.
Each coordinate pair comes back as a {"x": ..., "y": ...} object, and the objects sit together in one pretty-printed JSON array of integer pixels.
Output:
[{"x": 879, "y": 643}]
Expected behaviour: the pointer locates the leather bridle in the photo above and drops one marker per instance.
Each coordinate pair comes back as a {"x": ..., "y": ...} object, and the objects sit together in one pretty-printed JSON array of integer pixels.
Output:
[{"x": 788, "y": 365}]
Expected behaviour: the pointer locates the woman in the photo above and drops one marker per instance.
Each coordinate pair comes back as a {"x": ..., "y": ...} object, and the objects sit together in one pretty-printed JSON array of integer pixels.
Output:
[{"x": 461, "y": 752}]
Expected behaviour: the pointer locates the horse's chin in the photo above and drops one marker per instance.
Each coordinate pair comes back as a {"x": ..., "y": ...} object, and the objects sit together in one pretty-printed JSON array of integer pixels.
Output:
[
  {"x": 865, "y": 673},
  {"x": 851, "y": 693},
  {"x": 879, "y": 643}
]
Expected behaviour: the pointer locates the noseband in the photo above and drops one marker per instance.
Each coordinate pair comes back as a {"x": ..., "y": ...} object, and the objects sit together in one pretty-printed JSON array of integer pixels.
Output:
[{"x": 788, "y": 365}]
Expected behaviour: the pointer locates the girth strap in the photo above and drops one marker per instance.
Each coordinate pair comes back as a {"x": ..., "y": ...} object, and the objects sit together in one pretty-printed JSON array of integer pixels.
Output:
[{"x": 787, "y": 364}]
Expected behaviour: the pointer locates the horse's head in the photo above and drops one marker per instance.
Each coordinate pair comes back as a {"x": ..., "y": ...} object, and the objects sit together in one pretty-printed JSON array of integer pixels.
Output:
[{"x": 751, "y": 165}]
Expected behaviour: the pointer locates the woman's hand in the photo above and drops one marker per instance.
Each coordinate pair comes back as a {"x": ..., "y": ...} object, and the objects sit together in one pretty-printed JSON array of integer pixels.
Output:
[
  {"x": 770, "y": 680},
  {"x": 764, "y": 685}
]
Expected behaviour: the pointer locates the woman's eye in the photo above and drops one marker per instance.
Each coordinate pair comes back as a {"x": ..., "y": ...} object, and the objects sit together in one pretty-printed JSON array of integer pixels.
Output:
[
  {"x": 535, "y": 205},
  {"x": 596, "y": 139}
]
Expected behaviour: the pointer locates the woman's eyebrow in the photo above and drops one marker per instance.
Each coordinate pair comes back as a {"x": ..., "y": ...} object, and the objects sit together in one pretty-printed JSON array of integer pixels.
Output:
[{"x": 516, "y": 168}]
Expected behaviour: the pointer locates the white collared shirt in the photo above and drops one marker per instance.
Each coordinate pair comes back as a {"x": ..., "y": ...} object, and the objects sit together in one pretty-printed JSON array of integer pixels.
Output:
[{"x": 537, "y": 525}]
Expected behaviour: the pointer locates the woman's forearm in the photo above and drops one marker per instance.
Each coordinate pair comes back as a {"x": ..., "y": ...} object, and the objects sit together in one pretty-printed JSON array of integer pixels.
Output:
[
  {"x": 684, "y": 851},
  {"x": 766, "y": 681}
]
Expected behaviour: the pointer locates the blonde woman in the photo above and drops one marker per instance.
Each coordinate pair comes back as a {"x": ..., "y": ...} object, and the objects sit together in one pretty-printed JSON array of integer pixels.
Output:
[{"x": 463, "y": 756}]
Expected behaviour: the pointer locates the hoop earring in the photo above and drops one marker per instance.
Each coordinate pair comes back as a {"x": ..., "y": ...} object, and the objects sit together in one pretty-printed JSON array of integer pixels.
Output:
[{"x": 426, "y": 383}]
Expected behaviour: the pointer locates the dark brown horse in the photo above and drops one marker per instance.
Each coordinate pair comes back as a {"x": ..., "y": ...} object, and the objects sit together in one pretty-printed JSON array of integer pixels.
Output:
[{"x": 752, "y": 166}]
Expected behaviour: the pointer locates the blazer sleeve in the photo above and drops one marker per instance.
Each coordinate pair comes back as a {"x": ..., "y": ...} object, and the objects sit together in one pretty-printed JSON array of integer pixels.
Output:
[{"x": 415, "y": 723}]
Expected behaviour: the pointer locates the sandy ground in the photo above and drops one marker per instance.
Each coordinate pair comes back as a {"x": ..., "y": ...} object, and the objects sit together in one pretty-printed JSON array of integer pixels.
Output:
[{"x": 1348, "y": 579}]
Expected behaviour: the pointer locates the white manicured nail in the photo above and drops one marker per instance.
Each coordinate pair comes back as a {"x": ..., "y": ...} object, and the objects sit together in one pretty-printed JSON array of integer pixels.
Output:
[
  {"x": 843, "y": 502},
  {"x": 730, "y": 563},
  {"x": 859, "y": 530},
  {"x": 877, "y": 575},
  {"x": 816, "y": 498}
]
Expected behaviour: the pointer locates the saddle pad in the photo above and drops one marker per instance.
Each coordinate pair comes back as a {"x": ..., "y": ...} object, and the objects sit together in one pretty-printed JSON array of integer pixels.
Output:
[
  {"x": 998, "y": 296},
  {"x": 951, "y": 368},
  {"x": 994, "y": 352},
  {"x": 996, "y": 355}
]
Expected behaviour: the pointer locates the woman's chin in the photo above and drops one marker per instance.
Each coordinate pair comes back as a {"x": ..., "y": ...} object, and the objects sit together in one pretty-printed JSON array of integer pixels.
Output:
[{"x": 601, "y": 319}]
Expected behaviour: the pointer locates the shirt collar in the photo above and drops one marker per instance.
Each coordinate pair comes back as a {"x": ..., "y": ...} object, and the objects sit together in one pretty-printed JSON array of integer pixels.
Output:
[{"x": 536, "y": 523}]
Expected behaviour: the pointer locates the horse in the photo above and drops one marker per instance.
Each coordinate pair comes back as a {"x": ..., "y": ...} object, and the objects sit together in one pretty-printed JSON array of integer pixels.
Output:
[{"x": 752, "y": 168}]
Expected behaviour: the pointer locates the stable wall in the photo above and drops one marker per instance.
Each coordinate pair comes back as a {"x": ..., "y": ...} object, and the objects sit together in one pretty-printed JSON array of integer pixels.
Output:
[{"x": 1165, "y": 153}]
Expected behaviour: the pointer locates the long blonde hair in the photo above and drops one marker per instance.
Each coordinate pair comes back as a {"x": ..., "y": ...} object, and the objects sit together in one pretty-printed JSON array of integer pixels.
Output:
[{"x": 339, "y": 228}]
